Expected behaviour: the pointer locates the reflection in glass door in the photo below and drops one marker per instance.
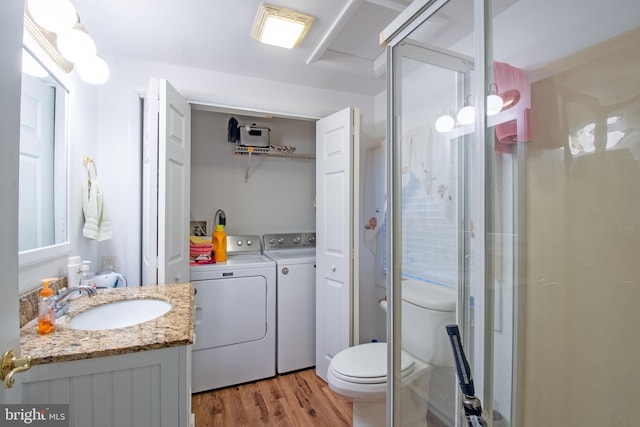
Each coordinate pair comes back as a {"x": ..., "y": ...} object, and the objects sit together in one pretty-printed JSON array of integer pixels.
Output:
[{"x": 432, "y": 239}]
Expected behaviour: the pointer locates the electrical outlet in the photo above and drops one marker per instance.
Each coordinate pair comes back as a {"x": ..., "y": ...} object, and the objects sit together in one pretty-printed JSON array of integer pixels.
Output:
[
  {"x": 109, "y": 263},
  {"x": 198, "y": 228}
]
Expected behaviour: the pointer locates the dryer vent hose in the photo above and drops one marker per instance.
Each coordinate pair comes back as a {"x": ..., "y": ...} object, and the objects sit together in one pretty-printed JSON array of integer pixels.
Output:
[{"x": 221, "y": 218}]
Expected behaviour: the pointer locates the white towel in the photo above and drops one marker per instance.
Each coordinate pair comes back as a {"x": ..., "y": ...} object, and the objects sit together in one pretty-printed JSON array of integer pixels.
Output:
[{"x": 96, "y": 224}]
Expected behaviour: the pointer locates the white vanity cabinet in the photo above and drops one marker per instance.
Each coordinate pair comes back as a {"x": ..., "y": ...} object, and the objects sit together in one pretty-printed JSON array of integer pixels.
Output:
[{"x": 145, "y": 389}]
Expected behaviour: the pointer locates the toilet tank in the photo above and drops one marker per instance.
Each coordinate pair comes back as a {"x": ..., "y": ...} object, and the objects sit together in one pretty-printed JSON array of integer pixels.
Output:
[{"x": 426, "y": 310}]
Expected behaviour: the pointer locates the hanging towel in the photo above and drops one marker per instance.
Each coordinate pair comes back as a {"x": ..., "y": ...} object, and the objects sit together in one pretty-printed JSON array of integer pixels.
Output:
[
  {"x": 513, "y": 87},
  {"x": 96, "y": 224}
]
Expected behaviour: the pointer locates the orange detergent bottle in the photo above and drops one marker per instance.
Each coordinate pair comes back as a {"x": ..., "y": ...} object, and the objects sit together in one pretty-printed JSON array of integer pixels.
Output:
[
  {"x": 46, "y": 314},
  {"x": 219, "y": 242}
]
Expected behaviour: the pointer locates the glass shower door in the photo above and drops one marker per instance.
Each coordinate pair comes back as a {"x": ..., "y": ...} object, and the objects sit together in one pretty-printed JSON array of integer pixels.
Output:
[{"x": 433, "y": 157}]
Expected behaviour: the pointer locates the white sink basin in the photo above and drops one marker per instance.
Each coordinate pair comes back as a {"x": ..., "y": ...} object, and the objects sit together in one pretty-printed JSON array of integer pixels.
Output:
[{"x": 119, "y": 314}]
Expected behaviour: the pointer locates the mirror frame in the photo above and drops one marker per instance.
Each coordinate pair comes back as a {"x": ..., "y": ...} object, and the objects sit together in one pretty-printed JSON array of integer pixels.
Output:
[{"x": 41, "y": 254}]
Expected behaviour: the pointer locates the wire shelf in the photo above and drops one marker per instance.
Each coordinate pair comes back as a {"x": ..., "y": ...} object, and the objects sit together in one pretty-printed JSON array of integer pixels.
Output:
[{"x": 273, "y": 151}]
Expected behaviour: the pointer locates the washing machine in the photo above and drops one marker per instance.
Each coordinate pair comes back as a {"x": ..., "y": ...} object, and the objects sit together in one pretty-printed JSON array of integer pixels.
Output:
[
  {"x": 295, "y": 258},
  {"x": 235, "y": 317}
]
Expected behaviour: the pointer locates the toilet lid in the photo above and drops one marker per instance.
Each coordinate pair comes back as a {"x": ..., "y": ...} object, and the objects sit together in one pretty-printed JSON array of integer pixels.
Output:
[{"x": 367, "y": 363}]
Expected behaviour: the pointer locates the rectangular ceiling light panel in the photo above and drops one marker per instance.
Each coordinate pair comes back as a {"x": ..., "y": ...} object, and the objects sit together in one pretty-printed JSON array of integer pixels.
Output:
[{"x": 280, "y": 27}]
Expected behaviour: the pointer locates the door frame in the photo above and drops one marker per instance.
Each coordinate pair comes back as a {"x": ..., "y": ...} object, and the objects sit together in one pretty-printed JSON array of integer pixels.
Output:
[{"x": 11, "y": 28}]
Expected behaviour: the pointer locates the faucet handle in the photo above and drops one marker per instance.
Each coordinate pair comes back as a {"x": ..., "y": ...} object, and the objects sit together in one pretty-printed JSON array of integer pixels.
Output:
[{"x": 61, "y": 310}]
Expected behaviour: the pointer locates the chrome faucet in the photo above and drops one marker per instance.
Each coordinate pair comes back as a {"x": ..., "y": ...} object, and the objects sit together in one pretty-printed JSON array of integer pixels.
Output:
[{"x": 60, "y": 305}]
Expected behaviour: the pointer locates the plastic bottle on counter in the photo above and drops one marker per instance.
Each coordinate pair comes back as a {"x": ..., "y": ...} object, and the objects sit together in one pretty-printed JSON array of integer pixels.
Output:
[
  {"x": 73, "y": 271},
  {"x": 46, "y": 313},
  {"x": 219, "y": 241},
  {"x": 87, "y": 278}
]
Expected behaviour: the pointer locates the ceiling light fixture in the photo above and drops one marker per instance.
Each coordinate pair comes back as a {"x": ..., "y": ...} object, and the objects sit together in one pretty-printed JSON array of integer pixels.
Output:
[{"x": 280, "y": 27}]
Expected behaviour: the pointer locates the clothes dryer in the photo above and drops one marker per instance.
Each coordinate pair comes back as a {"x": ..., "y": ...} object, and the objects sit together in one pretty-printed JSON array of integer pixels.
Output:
[{"x": 235, "y": 321}]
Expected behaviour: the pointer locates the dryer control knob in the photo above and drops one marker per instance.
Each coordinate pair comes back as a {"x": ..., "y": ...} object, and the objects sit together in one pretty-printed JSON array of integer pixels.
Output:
[
  {"x": 312, "y": 239},
  {"x": 280, "y": 240},
  {"x": 272, "y": 240},
  {"x": 239, "y": 243},
  {"x": 249, "y": 242},
  {"x": 296, "y": 239}
]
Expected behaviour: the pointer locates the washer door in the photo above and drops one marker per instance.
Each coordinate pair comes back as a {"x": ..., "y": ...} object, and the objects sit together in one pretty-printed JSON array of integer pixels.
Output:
[{"x": 230, "y": 311}]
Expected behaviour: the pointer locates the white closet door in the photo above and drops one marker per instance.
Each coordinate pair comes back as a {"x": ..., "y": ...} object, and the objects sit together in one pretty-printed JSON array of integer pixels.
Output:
[
  {"x": 337, "y": 148},
  {"x": 166, "y": 176}
]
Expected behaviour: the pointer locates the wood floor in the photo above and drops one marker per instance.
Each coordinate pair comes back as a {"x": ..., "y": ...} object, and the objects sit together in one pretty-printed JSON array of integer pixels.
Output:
[{"x": 297, "y": 399}]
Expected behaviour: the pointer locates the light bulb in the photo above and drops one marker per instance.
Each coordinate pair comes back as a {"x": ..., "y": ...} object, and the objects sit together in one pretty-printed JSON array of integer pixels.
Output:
[
  {"x": 444, "y": 123},
  {"x": 76, "y": 45},
  {"x": 281, "y": 32},
  {"x": 466, "y": 115},
  {"x": 494, "y": 104},
  {"x": 93, "y": 70},
  {"x": 53, "y": 15}
]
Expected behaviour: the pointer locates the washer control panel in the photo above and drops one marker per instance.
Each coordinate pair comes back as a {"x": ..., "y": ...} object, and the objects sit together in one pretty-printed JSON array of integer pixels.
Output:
[
  {"x": 243, "y": 244},
  {"x": 288, "y": 241}
]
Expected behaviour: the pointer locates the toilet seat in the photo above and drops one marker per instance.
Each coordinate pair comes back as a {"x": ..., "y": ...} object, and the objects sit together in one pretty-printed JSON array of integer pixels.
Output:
[{"x": 367, "y": 364}]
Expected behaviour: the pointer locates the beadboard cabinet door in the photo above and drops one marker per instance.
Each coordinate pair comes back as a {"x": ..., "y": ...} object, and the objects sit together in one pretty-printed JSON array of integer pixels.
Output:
[{"x": 145, "y": 389}]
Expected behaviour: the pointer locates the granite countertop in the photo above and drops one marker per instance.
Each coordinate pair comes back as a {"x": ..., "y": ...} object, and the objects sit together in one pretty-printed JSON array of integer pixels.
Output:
[{"x": 175, "y": 328}]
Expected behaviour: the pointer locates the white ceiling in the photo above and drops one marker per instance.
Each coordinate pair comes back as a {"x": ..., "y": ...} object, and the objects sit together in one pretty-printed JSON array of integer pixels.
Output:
[{"x": 338, "y": 52}]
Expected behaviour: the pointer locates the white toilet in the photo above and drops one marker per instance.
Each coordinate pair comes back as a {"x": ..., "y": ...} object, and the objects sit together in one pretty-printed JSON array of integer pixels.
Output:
[{"x": 359, "y": 373}]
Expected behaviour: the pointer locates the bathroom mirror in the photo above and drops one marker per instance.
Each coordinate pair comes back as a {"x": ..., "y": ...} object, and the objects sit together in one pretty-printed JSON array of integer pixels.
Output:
[{"x": 42, "y": 206}]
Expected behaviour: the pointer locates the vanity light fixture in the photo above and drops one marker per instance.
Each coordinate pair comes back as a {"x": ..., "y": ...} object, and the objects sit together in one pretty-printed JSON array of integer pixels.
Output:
[
  {"x": 280, "y": 27},
  {"x": 467, "y": 114},
  {"x": 494, "y": 101},
  {"x": 55, "y": 16},
  {"x": 76, "y": 45},
  {"x": 67, "y": 43},
  {"x": 445, "y": 122},
  {"x": 93, "y": 70}
]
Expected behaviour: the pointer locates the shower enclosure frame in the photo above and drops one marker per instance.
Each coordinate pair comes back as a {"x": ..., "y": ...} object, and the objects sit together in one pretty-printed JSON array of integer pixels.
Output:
[{"x": 393, "y": 38}]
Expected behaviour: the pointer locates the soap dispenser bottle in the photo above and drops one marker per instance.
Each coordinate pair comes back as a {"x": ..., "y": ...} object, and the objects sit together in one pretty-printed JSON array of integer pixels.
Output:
[
  {"x": 219, "y": 238},
  {"x": 46, "y": 312},
  {"x": 87, "y": 278}
]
